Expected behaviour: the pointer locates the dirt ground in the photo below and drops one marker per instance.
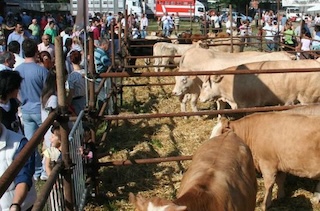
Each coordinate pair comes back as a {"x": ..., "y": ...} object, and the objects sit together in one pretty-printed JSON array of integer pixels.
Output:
[{"x": 165, "y": 137}]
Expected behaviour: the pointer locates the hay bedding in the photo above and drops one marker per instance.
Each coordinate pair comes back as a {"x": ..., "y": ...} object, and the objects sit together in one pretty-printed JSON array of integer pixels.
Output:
[{"x": 163, "y": 137}]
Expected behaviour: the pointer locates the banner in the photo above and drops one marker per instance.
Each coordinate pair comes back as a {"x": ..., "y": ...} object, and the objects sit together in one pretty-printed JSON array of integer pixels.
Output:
[{"x": 300, "y": 3}]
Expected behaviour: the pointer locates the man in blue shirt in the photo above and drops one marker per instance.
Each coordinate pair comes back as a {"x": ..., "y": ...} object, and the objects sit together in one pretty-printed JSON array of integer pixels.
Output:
[{"x": 34, "y": 77}]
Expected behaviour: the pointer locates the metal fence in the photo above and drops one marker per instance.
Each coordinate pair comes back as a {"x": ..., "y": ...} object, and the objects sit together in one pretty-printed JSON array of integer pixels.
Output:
[{"x": 78, "y": 176}]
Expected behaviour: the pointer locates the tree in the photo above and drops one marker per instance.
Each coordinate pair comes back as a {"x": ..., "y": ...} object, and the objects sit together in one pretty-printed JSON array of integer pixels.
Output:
[{"x": 239, "y": 5}]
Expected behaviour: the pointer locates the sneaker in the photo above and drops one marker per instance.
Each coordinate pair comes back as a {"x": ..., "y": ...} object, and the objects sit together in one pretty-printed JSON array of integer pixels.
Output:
[{"x": 36, "y": 178}]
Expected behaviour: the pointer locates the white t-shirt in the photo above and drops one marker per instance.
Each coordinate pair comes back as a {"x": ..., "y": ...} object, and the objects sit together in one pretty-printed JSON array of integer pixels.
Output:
[
  {"x": 51, "y": 103},
  {"x": 305, "y": 44}
]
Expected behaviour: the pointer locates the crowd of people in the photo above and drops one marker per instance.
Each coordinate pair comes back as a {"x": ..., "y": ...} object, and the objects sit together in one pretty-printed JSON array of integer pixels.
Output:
[
  {"x": 28, "y": 92},
  {"x": 295, "y": 36}
]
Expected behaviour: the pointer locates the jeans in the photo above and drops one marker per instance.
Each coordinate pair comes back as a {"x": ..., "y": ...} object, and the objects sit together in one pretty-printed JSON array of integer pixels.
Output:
[
  {"x": 270, "y": 45},
  {"x": 165, "y": 30},
  {"x": 143, "y": 33},
  {"x": 31, "y": 123}
]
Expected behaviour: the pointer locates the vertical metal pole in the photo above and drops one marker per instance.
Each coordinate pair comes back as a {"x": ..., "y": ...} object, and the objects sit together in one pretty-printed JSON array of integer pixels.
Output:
[
  {"x": 126, "y": 25},
  {"x": 191, "y": 16},
  {"x": 92, "y": 73},
  {"x": 85, "y": 12},
  {"x": 231, "y": 27},
  {"x": 112, "y": 45},
  {"x": 278, "y": 17},
  {"x": 64, "y": 129}
]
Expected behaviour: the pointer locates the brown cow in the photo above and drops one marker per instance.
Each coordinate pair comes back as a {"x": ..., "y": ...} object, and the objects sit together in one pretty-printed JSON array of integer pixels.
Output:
[
  {"x": 280, "y": 143},
  {"x": 220, "y": 177}
]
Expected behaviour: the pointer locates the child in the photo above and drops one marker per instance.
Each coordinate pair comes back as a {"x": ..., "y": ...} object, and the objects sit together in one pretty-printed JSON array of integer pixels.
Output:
[
  {"x": 304, "y": 45},
  {"x": 90, "y": 160},
  {"x": 52, "y": 154}
]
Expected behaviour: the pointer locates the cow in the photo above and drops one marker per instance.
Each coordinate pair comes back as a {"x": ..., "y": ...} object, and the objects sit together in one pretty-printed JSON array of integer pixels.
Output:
[
  {"x": 168, "y": 49},
  {"x": 280, "y": 143},
  {"x": 200, "y": 59},
  {"x": 250, "y": 90},
  {"x": 139, "y": 48},
  {"x": 220, "y": 177},
  {"x": 224, "y": 44},
  {"x": 310, "y": 110}
]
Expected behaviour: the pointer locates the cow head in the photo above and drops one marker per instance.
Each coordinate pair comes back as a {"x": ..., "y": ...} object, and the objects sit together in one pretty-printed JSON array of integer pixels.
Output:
[
  {"x": 221, "y": 127},
  {"x": 210, "y": 88},
  {"x": 154, "y": 204},
  {"x": 183, "y": 84}
]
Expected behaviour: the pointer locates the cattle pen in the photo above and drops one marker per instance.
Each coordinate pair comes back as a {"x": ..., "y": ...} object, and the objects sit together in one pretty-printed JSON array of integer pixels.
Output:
[
  {"x": 144, "y": 143},
  {"x": 148, "y": 128}
]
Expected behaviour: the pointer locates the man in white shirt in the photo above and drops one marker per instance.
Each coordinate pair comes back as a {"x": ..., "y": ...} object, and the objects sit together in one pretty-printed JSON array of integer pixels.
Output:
[
  {"x": 45, "y": 45},
  {"x": 268, "y": 29},
  {"x": 166, "y": 20},
  {"x": 143, "y": 26}
]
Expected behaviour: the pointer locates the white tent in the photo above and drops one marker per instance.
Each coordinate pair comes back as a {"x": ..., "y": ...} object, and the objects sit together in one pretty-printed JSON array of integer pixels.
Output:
[{"x": 314, "y": 8}]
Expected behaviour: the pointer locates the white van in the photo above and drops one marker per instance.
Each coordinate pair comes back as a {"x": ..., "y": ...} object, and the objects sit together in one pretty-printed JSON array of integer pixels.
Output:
[
  {"x": 293, "y": 13},
  {"x": 134, "y": 6}
]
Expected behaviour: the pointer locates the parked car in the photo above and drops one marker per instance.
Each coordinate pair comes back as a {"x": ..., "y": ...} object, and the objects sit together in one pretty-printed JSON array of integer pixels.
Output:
[{"x": 235, "y": 16}]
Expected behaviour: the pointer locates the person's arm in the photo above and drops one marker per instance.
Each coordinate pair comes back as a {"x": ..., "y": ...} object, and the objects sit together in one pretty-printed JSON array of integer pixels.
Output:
[
  {"x": 47, "y": 165},
  {"x": 105, "y": 61},
  {"x": 23, "y": 180}
]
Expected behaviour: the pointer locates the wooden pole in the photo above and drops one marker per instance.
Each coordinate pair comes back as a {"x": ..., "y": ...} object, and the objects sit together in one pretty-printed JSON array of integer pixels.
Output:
[
  {"x": 231, "y": 27},
  {"x": 64, "y": 128},
  {"x": 92, "y": 73}
]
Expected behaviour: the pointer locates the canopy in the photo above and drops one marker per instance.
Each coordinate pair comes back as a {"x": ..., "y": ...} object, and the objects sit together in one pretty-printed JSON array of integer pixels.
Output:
[{"x": 314, "y": 8}]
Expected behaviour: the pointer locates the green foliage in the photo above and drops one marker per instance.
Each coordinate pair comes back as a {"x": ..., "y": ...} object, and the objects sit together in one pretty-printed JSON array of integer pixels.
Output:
[{"x": 239, "y": 5}]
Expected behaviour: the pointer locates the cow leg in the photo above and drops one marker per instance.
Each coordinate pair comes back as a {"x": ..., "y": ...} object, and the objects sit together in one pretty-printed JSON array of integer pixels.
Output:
[
  {"x": 281, "y": 177},
  {"x": 269, "y": 177},
  {"x": 220, "y": 106},
  {"x": 316, "y": 196},
  {"x": 157, "y": 62},
  {"x": 193, "y": 103},
  {"x": 147, "y": 61},
  {"x": 165, "y": 61},
  {"x": 183, "y": 103}
]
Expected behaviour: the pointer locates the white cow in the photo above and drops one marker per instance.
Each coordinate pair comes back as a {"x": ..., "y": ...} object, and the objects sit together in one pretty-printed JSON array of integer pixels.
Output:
[
  {"x": 200, "y": 59},
  {"x": 168, "y": 49},
  {"x": 250, "y": 90}
]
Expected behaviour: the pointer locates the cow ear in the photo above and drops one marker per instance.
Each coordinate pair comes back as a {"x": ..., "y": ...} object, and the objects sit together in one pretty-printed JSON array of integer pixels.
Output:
[
  {"x": 192, "y": 77},
  {"x": 216, "y": 78}
]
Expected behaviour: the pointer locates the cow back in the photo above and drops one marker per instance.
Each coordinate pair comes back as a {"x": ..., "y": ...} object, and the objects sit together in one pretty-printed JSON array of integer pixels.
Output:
[
  {"x": 288, "y": 142},
  {"x": 221, "y": 175}
]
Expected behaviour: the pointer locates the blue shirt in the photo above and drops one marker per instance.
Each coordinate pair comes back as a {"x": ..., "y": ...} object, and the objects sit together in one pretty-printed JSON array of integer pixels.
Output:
[
  {"x": 27, "y": 171},
  {"x": 34, "y": 77},
  {"x": 18, "y": 37},
  {"x": 101, "y": 60}
]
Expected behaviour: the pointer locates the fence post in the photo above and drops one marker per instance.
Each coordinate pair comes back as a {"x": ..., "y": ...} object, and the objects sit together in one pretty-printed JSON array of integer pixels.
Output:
[
  {"x": 64, "y": 128},
  {"x": 92, "y": 73}
]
